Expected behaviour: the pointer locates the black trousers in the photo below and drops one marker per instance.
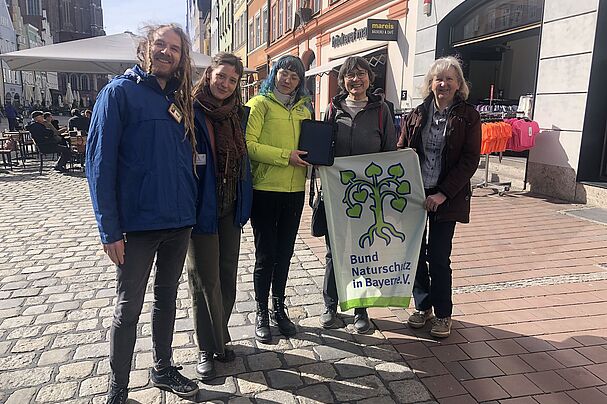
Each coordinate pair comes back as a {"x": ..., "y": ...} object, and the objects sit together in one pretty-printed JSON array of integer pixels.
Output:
[
  {"x": 169, "y": 247},
  {"x": 329, "y": 289},
  {"x": 433, "y": 282},
  {"x": 275, "y": 220}
]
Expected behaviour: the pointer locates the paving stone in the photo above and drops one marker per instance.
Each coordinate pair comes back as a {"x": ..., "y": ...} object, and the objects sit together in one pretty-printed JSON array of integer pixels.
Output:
[
  {"x": 95, "y": 385},
  {"x": 75, "y": 371},
  {"x": 30, "y": 344},
  {"x": 251, "y": 383},
  {"x": 275, "y": 396},
  {"x": 14, "y": 322},
  {"x": 60, "y": 328},
  {"x": 385, "y": 353},
  {"x": 54, "y": 356},
  {"x": 378, "y": 400},
  {"x": 22, "y": 396},
  {"x": 264, "y": 361},
  {"x": 314, "y": 394},
  {"x": 16, "y": 361},
  {"x": 409, "y": 391},
  {"x": 394, "y": 371},
  {"x": 317, "y": 373},
  {"x": 295, "y": 357},
  {"x": 35, "y": 310},
  {"x": 337, "y": 351},
  {"x": 24, "y": 332},
  {"x": 24, "y": 378},
  {"x": 220, "y": 387},
  {"x": 92, "y": 351},
  {"x": 66, "y": 306},
  {"x": 284, "y": 378},
  {"x": 57, "y": 392},
  {"x": 355, "y": 366},
  {"x": 147, "y": 396},
  {"x": 78, "y": 339},
  {"x": 358, "y": 388}
]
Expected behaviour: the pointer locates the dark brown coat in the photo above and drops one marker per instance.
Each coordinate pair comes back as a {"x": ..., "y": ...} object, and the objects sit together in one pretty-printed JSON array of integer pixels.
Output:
[{"x": 460, "y": 155}]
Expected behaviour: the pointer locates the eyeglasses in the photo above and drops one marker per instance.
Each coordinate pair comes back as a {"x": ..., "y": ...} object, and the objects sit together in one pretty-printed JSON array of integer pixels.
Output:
[{"x": 361, "y": 74}]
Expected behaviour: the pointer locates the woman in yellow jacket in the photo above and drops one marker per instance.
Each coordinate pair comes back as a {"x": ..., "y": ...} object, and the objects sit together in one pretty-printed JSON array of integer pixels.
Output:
[{"x": 279, "y": 176}]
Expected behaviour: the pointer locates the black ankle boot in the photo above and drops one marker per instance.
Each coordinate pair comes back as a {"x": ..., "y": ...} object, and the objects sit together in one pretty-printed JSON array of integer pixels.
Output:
[
  {"x": 262, "y": 323},
  {"x": 281, "y": 319}
]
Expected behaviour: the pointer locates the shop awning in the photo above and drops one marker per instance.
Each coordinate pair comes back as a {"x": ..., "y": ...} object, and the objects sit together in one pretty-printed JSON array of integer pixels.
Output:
[{"x": 327, "y": 67}]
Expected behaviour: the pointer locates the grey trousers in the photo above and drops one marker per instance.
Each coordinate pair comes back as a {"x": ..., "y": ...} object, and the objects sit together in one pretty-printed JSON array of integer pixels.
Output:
[
  {"x": 169, "y": 247},
  {"x": 212, "y": 265}
]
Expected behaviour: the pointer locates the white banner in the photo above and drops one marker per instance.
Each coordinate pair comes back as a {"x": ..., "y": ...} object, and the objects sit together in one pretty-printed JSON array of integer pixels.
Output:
[{"x": 376, "y": 219}]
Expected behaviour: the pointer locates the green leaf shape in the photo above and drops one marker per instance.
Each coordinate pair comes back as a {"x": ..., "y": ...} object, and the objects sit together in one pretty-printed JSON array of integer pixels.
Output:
[
  {"x": 354, "y": 211},
  {"x": 360, "y": 196},
  {"x": 404, "y": 188},
  {"x": 373, "y": 170},
  {"x": 396, "y": 170},
  {"x": 346, "y": 176},
  {"x": 398, "y": 204}
]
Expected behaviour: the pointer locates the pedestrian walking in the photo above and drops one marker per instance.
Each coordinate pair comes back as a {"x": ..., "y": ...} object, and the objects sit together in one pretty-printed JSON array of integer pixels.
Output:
[
  {"x": 364, "y": 125},
  {"x": 279, "y": 176},
  {"x": 224, "y": 205},
  {"x": 142, "y": 186},
  {"x": 445, "y": 131}
]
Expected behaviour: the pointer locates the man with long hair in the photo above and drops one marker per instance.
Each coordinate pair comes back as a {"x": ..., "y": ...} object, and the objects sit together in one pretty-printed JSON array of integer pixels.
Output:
[{"x": 140, "y": 174}]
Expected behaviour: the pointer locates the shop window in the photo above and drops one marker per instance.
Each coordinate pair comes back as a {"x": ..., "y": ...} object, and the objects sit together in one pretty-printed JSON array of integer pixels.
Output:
[
  {"x": 84, "y": 83},
  {"x": 496, "y": 16},
  {"x": 74, "y": 82}
]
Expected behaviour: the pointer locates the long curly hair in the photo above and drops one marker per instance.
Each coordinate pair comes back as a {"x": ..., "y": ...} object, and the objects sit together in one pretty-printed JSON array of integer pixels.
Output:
[{"x": 183, "y": 73}]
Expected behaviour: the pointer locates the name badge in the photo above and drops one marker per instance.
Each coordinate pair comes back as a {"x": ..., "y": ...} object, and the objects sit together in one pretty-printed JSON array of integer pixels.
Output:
[
  {"x": 201, "y": 159},
  {"x": 175, "y": 113}
]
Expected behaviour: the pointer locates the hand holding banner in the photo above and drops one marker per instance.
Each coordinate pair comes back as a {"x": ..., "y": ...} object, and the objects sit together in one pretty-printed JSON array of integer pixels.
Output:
[{"x": 376, "y": 219}]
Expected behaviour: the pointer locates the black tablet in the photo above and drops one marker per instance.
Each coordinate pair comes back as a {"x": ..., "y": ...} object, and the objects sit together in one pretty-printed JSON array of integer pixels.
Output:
[{"x": 318, "y": 139}]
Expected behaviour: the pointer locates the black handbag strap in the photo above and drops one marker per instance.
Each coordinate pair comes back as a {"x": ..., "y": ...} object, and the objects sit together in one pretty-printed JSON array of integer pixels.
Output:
[{"x": 314, "y": 188}]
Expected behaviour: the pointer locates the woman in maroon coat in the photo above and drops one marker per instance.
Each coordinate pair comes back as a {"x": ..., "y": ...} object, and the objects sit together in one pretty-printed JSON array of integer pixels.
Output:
[{"x": 445, "y": 131}]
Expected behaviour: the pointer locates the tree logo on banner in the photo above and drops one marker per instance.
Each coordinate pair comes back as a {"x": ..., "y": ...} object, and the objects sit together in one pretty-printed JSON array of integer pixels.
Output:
[{"x": 359, "y": 191}]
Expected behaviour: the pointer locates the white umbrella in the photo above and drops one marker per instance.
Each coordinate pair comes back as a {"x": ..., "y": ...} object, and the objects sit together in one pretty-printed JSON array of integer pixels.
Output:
[
  {"x": 69, "y": 95},
  {"x": 78, "y": 100},
  {"x": 48, "y": 98},
  {"x": 37, "y": 95},
  {"x": 60, "y": 101},
  {"x": 101, "y": 54}
]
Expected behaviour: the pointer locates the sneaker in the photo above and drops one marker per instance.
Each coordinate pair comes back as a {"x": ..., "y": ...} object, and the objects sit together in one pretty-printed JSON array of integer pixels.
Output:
[
  {"x": 170, "y": 379},
  {"x": 228, "y": 355},
  {"x": 117, "y": 395},
  {"x": 419, "y": 317},
  {"x": 328, "y": 319},
  {"x": 441, "y": 328},
  {"x": 205, "y": 367},
  {"x": 361, "y": 321}
]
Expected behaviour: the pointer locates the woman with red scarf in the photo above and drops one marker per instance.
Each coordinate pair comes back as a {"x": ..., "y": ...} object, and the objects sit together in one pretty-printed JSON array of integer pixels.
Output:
[{"x": 223, "y": 207}]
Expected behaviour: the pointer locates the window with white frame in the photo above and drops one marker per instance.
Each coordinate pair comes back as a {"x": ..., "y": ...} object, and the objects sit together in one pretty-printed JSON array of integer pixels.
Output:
[
  {"x": 264, "y": 21},
  {"x": 274, "y": 22},
  {"x": 251, "y": 34},
  {"x": 289, "y": 15},
  {"x": 281, "y": 16},
  {"x": 257, "y": 29}
]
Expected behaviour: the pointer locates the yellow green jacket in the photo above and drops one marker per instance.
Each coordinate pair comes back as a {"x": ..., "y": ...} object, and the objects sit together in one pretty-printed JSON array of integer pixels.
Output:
[{"x": 272, "y": 133}]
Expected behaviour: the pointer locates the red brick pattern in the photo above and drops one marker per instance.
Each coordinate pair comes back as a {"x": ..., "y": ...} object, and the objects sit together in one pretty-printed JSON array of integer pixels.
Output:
[{"x": 541, "y": 343}]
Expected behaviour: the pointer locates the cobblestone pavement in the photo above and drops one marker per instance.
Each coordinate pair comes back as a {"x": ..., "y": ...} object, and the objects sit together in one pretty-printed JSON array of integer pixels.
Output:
[{"x": 56, "y": 305}]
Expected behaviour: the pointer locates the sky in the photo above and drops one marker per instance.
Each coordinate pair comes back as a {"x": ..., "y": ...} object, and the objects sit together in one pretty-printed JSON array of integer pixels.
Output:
[{"x": 131, "y": 15}]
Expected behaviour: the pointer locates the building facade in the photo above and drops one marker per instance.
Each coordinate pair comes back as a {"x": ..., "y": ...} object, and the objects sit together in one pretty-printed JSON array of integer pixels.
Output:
[
  {"x": 552, "y": 51},
  {"x": 257, "y": 42},
  {"x": 11, "y": 89},
  {"x": 324, "y": 33},
  {"x": 198, "y": 18},
  {"x": 226, "y": 19},
  {"x": 239, "y": 30}
]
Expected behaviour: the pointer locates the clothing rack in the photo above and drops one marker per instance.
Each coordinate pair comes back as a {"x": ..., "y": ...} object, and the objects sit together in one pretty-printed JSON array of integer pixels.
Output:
[{"x": 499, "y": 187}]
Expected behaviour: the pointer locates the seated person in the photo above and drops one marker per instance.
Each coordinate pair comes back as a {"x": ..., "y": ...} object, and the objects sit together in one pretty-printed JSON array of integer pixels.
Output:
[
  {"x": 49, "y": 142},
  {"x": 53, "y": 124},
  {"x": 78, "y": 122}
]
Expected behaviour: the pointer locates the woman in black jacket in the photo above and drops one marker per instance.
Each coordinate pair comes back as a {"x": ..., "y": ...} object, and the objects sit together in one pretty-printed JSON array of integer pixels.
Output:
[
  {"x": 445, "y": 131},
  {"x": 364, "y": 125}
]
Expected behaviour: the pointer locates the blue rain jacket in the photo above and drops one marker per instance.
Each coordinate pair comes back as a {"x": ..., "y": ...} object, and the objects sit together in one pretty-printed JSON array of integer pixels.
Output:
[
  {"x": 206, "y": 207},
  {"x": 138, "y": 161}
]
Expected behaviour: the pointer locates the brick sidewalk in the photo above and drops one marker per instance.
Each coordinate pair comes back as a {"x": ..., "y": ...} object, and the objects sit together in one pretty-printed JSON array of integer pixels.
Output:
[{"x": 530, "y": 315}]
